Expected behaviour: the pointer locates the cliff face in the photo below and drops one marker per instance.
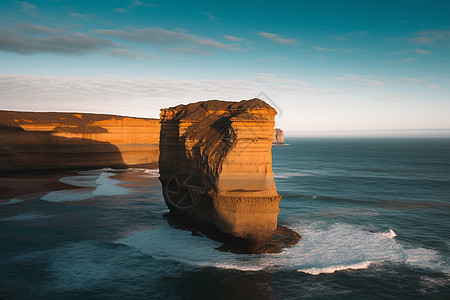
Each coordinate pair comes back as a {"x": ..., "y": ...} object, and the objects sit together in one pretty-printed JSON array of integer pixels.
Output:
[
  {"x": 216, "y": 165},
  {"x": 278, "y": 136},
  {"x": 33, "y": 140}
]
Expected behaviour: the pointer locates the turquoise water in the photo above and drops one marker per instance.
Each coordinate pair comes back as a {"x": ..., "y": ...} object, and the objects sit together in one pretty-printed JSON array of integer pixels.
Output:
[{"x": 373, "y": 213}]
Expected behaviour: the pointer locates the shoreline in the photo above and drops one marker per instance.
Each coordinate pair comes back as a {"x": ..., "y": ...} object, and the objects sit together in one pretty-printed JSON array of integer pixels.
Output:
[
  {"x": 22, "y": 183},
  {"x": 18, "y": 183}
]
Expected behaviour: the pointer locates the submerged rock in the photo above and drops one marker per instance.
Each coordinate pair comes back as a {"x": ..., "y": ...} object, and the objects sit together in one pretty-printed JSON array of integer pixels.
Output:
[{"x": 216, "y": 166}]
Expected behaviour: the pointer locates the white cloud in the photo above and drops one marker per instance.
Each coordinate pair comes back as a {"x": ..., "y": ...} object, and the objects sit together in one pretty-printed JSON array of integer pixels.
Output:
[
  {"x": 433, "y": 86},
  {"x": 210, "y": 16},
  {"x": 421, "y": 40},
  {"x": 137, "y": 97},
  {"x": 323, "y": 49},
  {"x": 411, "y": 79},
  {"x": 410, "y": 59},
  {"x": 218, "y": 45},
  {"x": 131, "y": 54},
  {"x": 31, "y": 39},
  {"x": 363, "y": 80},
  {"x": 277, "y": 39},
  {"x": 77, "y": 15},
  {"x": 422, "y": 51},
  {"x": 135, "y": 3},
  {"x": 161, "y": 37},
  {"x": 435, "y": 34},
  {"x": 232, "y": 38},
  {"x": 28, "y": 7},
  {"x": 431, "y": 37},
  {"x": 122, "y": 10}
]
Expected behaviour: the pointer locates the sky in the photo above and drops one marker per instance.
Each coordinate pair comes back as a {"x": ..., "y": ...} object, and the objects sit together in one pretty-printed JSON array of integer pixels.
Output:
[{"x": 329, "y": 67}]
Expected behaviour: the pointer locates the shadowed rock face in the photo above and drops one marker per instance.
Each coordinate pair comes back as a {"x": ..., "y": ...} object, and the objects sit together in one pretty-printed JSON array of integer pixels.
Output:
[
  {"x": 216, "y": 165},
  {"x": 35, "y": 140}
]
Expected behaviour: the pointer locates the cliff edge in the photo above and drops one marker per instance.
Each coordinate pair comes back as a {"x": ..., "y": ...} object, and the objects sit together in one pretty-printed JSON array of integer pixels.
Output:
[
  {"x": 216, "y": 165},
  {"x": 53, "y": 140}
]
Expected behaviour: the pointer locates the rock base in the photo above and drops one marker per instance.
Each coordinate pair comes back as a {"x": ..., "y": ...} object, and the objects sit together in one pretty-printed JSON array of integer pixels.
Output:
[{"x": 281, "y": 238}]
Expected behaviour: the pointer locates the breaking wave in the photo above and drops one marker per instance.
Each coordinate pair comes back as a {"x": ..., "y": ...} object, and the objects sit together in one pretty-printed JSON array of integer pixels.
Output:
[{"x": 321, "y": 250}]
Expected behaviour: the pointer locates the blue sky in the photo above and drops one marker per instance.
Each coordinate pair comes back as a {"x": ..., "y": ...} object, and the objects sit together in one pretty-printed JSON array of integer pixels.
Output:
[{"x": 331, "y": 67}]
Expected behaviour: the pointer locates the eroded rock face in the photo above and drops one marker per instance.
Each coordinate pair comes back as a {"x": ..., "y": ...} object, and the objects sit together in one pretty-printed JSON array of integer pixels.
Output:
[
  {"x": 216, "y": 165},
  {"x": 36, "y": 140}
]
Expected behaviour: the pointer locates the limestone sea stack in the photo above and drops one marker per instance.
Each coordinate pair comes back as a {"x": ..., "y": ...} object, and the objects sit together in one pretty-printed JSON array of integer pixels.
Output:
[
  {"x": 278, "y": 136},
  {"x": 216, "y": 165}
]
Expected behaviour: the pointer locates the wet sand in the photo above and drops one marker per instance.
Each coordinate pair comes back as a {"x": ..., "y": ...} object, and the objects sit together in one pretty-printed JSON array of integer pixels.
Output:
[{"x": 18, "y": 184}]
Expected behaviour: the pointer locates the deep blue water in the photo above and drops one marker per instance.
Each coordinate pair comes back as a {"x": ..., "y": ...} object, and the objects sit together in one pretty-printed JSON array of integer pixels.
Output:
[{"x": 374, "y": 215}]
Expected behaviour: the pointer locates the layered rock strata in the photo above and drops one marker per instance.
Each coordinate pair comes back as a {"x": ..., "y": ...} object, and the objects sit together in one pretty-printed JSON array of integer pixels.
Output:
[
  {"x": 278, "y": 136},
  {"x": 216, "y": 165},
  {"x": 34, "y": 140}
]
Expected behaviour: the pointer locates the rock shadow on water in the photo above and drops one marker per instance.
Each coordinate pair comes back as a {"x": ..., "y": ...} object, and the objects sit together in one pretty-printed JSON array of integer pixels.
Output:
[{"x": 281, "y": 238}]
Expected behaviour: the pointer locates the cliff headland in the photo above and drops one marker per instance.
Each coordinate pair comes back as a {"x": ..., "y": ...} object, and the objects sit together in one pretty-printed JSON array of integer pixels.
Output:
[{"x": 35, "y": 140}]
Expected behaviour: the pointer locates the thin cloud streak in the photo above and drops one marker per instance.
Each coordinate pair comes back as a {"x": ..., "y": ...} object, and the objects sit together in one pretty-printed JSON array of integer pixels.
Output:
[
  {"x": 429, "y": 37},
  {"x": 363, "y": 80},
  {"x": 422, "y": 51},
  {"x": 323, "y": 49},
  {"x": 277, "y": 39},
  {"x": 41, "y": 39},
  {"x": 232, "y": 38},
  {"x": 210, "y": 16},
  {"x": 161, "y": 37},
  {"x": 134, "y": 4},
  {"x": 28, "y": 7}
]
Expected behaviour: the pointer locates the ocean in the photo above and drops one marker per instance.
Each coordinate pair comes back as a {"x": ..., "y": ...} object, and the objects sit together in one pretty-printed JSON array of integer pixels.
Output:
[{"x": 374, "y": 216}]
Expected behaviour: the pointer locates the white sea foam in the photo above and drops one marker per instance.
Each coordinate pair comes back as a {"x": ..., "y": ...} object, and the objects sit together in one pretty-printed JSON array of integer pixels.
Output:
[
  {"x": 322, "y": 249},
  {"x": 107, "y": 186},
  {"x": 103, "y": 183},
  {"x": 81, "y": 181},
  {"x": 332, "y": 269},
  {"x": 68, "y": 196},
  {"x": 24, "y": 217},
  {"x": 12, "y": 201},
  {"x": 392, "y": 234},
  {"x": 152, "y": 172}
]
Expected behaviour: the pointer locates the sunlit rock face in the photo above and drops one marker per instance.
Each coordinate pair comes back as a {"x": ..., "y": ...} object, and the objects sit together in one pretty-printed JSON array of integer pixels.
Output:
[
  {"x": 34, "y": 140},
  {"x": 278, "y": 136},
  {"x": 216, "y": 165}
]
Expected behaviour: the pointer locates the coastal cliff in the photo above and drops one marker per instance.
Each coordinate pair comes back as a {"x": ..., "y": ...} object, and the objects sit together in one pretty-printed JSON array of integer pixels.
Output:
[
  {"x": 216, "y": 165},
  {"x": 35, "y": 140},
  {"x": 278, "y": 136}
]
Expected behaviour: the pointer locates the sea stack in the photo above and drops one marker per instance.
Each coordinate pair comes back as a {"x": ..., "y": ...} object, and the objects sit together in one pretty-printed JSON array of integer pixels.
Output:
[
  {"x": 278, "y": 136},
  {"x": 216, "y": 165}
]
